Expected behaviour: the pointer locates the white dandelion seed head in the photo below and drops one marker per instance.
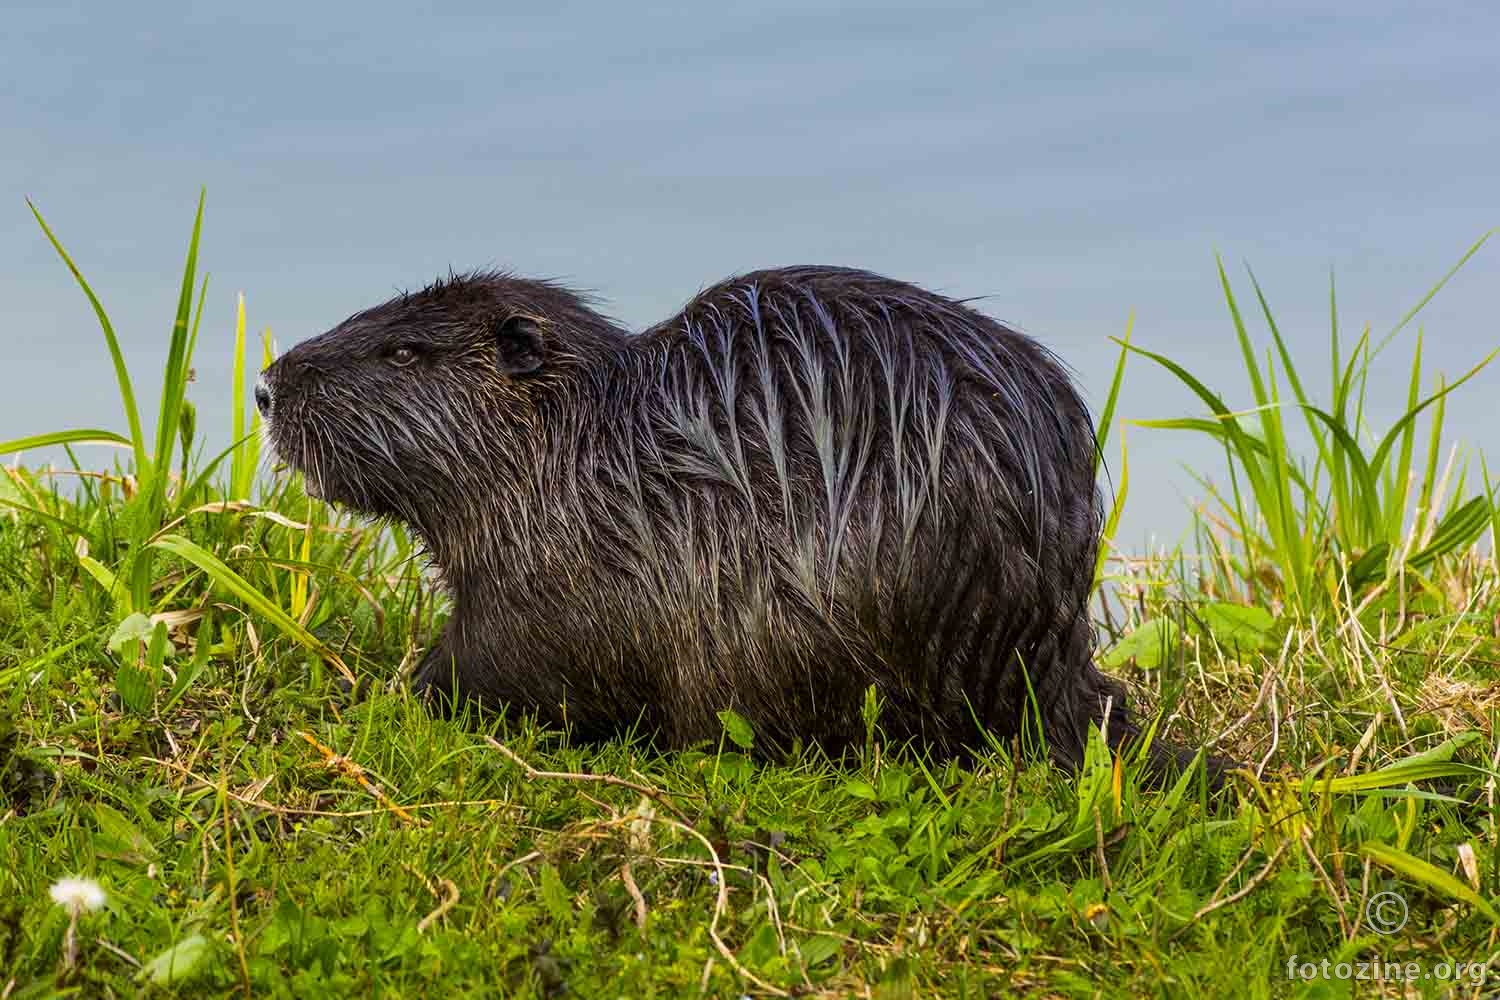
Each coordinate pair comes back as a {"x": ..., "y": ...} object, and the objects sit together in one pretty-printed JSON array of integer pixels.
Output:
[{"x": 77, "y": 895}]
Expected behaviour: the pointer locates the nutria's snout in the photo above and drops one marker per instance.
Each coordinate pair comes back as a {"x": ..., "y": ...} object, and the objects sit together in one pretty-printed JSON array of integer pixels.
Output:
[{"x": 263, "y": 396}]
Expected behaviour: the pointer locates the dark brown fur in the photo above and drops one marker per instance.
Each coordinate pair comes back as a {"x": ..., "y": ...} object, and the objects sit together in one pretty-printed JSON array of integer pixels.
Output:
[{"x": 809, "y": 481}]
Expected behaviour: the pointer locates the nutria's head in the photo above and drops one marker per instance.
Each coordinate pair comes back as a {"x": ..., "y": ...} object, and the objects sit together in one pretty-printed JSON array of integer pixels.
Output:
[{"x": 413, "y": 408}]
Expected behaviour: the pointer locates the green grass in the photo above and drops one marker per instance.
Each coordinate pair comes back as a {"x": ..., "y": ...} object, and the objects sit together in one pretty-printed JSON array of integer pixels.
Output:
[{"x": 202, "y": 707}]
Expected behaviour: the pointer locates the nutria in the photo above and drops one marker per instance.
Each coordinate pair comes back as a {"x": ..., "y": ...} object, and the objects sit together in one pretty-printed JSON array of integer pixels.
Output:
[{"x": 809, "y": 481}]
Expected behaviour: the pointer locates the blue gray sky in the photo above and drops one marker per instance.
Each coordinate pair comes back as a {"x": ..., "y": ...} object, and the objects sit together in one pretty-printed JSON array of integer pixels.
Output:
[{"x": 1070, "y": 163}]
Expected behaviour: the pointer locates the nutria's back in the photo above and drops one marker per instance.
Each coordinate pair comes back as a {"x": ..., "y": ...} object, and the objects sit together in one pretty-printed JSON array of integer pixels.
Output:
[{"x": 809, "y": 481}]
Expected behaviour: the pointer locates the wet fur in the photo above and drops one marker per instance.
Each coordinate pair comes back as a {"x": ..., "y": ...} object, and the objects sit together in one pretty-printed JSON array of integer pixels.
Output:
[{"x": 809, "y": 481}]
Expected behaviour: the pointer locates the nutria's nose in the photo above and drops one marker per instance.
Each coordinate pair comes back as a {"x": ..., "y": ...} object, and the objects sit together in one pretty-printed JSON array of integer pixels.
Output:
[{"x": 262, "y": 397}]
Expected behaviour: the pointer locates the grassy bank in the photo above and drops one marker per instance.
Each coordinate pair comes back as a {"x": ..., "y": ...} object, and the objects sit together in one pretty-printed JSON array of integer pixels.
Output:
[{"x": 202, "y": 709}]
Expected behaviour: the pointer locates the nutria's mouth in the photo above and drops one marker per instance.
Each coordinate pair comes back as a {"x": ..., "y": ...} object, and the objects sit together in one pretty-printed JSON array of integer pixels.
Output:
[
  {"x": 312, "y": 483},
  {"x": 291, "y": 458}
]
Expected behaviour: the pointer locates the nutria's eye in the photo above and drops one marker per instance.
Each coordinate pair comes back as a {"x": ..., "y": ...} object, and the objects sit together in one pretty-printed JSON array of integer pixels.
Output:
[{"x": 403, "y": 356}]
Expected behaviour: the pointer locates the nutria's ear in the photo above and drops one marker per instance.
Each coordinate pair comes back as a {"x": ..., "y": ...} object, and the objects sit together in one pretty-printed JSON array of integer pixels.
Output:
[{"x": 520, "y": 344}]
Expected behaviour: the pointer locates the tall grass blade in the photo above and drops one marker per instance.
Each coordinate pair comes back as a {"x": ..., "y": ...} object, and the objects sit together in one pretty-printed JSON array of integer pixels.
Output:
[
  {"x": 1426, "y": 874},
  {"x": 1396, "y": 496},
  {"x": 1288, "y": 366},
  {"x": 1412, "y": 312},
  {"x": 1107, "y": 416},
  {"x": 1112, "y": 521},
  {"x": 237, "y": 471},
  {"x": 1235, "y": 436},
  {"x": 1426, "y": 512},
  {"x": 237, "y": 585},
  {"x": 62, "y": 437},
  {"x": 1386, "y": 443},
  {"x": 26, "y": 508},
  {"x": 122, "y": 373},
  {"x": 1460, "y": 529},
  {"x": 179, "y": 354}
]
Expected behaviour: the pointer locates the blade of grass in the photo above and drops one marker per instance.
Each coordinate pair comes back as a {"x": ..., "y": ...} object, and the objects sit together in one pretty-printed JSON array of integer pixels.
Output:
[
  {"x": 1412, "y": 312},
  {"x": 1112, "y": 521},
  {"x": 63, "y": 437},
  {"x": 174, "y": 381},
  {"x": 237, "y": 472},
  {"x": 1107, "y": 416},
  {"x": 68, "y": 526},
  {"x": 1426, "y": 874},
  {"x": 122, "y": 373},
  {"x": 1425, "y": 506},
  {"x": 237, "y": 585},
  {"x": 1288, "y": 366},
  {"x": 1263, "y": 389},
  {"x": 1386, "y": 443},
  {"x": 1395, "y": 499}
]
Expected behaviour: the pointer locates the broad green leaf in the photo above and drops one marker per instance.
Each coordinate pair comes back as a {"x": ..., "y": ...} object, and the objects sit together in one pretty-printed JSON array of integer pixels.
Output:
[
  {"x": 161, "y": 647},
  {"x": 1238, "y": 626},
  {"x": 179, "y": 962},
  {"x": 1442, "y": 753},
  {"x": 101, "y": 573},
  {"x": 133, "y": 684},
  {"x": 119, "y": 837},
  {"x": 737, "y": 728},
  {"x": 1459, "y": 529},
  {"x": 1370, "y": 565},
  {"x": 818, "y": 949},
  {"x": 1149, "y": 646},
  {"x": 135, "y": 628},
  {"x": 762, "y": 946}
]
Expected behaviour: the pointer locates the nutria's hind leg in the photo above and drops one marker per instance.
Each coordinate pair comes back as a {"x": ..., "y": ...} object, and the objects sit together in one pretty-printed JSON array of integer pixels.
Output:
[
  {"x": 1165, "y": 762},
  {"x": 1170, "y": 762},
  {"x": 1072, "y": 699}
]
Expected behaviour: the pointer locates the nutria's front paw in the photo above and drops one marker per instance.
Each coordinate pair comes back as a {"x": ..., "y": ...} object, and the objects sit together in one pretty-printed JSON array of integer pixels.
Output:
[{"x": 433, "y": 680}]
